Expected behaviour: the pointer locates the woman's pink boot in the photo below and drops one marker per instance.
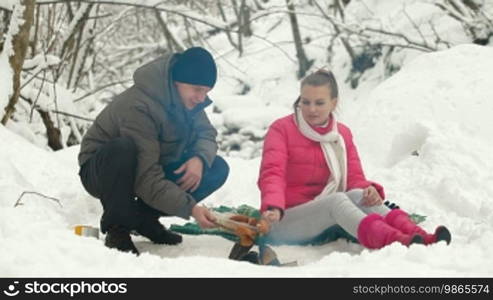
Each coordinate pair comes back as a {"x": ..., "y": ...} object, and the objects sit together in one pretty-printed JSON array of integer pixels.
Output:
[
  {"x": 400, "y": 220},
  {"x": 375, "y": 233}
]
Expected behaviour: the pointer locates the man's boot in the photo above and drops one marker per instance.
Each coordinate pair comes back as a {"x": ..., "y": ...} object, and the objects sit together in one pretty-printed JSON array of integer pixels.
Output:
[
  {"x": 118, "y": 237},
  {"x": 400, "y": 220},
  {"x": 152, "y": 229},
  {"x": 374, "y": 233}
]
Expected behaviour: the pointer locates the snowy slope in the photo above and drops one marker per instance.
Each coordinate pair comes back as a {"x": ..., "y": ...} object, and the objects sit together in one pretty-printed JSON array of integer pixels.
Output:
[{"x": 438, "y": 105}]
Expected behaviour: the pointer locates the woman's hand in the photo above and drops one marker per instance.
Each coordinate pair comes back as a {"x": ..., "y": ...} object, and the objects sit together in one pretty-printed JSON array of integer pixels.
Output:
[
  {"x": 272, "y": 215},
  {"x": 371, "y": 197}
]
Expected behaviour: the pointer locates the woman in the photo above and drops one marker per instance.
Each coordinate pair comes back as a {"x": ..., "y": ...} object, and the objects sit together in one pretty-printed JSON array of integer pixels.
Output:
[{"x": 311, "y": 178}]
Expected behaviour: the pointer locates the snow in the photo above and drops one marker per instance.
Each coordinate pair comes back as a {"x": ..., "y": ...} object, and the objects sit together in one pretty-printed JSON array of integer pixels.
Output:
[
  {"x": 6, "y": 82},
  {"x": 438, "y": 106},
  {"x": 8, "y": 4},
  {"x": 40, "y": 62}
]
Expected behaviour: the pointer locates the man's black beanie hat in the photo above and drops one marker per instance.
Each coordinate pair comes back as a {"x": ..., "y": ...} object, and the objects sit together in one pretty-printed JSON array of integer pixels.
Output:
[{"x": 195, "y": 66}]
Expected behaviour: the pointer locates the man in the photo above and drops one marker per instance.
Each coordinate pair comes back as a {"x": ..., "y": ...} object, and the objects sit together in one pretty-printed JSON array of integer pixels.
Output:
[{"x": 152, "y": 151}]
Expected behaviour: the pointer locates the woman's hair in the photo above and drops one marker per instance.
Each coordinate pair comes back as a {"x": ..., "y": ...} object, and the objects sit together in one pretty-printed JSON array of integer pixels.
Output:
[{"x": 318, "y": 78}]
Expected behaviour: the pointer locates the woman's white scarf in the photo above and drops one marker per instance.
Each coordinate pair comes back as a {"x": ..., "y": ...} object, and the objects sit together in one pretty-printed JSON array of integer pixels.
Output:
[{"x": 334, "y": 150}]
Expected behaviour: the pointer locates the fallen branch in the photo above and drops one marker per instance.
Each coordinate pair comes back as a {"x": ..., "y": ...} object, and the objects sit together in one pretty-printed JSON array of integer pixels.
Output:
[{"x": 18, "y": 202}]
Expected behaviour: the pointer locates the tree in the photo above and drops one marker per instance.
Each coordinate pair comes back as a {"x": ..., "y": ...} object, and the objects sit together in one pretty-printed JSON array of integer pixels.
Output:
[
  {"x": 303, "y": 63},
  {"x": 20, "y": 43}
]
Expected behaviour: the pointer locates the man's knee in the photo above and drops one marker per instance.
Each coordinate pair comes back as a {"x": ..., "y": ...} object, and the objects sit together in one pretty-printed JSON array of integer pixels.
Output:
[{"x": 219, "y": 170}]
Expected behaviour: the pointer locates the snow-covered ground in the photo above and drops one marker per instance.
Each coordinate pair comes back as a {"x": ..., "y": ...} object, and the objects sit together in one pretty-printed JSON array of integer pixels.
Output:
[{"x": 438, "y": 107}]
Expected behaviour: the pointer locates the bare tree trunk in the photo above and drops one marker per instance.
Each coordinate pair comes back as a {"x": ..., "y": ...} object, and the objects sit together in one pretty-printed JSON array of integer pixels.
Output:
[
  {"x": 339, "y": 8},
  {"x": 303, "y": 62},
  {"x": 53, "y": 133},
  {"x": 223, "y": 17},
  {"x": 75, "y": 55},
  {"x": 34, "y": 42},
  {"x": 187, "y": 28},
  {"x": 20, "y": 43},
  {"x": 240, "y": 26},
  {"x": 245, "y": 29},
  {"x": 171, "y": 41},
  {"x": 70, "y": 48},
  {"x": 51, "y": 26},
  {"x": 77, "y": 49},
  {"x": 88, "y": 50}
]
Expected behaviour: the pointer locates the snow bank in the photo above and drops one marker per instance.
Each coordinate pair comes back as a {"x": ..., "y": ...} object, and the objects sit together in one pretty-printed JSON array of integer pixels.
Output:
[{"x": 430, "y": 126}]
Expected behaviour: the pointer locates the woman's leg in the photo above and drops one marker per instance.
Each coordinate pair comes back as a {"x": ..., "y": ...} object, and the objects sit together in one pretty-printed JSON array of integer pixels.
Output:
[
  {"x": 305, "y": 222},
  {"x": 400, "y": 220},
  {"x": 356, "y": 196}
]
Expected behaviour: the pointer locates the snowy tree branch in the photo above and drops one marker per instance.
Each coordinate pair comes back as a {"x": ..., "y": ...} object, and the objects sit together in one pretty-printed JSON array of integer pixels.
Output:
[{"x": 99, "y": 89}]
